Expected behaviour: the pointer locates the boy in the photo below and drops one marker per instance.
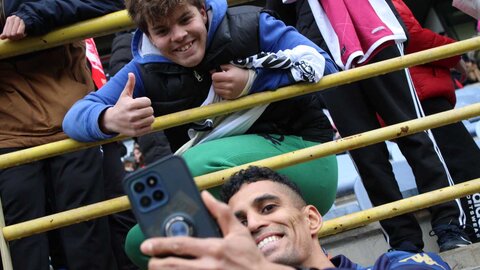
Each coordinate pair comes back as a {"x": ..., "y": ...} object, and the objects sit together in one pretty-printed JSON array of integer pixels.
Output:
[{"x": 176, "y": 49}]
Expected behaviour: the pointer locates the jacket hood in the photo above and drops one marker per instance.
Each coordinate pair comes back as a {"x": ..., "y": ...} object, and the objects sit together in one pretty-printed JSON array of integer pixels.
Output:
[{"x": 145, "y": 52}]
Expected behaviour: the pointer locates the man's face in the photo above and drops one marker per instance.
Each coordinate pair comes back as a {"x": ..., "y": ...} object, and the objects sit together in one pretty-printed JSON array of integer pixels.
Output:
[
  {"x": 182, "y": 35},
  {"x": 279, "y": 226}
]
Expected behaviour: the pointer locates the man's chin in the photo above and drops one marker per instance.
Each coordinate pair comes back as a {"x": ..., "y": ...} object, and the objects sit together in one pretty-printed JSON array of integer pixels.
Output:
[
  {"x": 280, "y": 258},
  {"x": 273, "y": 256}
]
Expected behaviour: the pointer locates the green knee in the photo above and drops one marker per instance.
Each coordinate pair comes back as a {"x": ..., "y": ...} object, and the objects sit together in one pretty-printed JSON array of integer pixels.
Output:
[{"x": 134, "y": 239}]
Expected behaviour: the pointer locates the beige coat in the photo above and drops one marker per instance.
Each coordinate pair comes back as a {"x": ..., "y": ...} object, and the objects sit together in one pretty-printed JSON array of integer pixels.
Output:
[{"x": 36, "y": 90}]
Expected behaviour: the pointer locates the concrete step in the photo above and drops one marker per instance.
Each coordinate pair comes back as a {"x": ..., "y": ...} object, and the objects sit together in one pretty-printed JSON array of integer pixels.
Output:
[{"x": 365, "y": 244}]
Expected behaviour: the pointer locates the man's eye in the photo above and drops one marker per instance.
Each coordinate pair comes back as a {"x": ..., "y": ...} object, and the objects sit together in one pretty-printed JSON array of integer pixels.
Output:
[
  {"x": 244, "y": 222},
  {"x": 268, "y": 208}
]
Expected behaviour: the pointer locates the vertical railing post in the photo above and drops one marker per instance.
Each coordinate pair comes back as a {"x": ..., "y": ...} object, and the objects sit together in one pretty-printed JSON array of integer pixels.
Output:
[{"x": 4, "y": 250}]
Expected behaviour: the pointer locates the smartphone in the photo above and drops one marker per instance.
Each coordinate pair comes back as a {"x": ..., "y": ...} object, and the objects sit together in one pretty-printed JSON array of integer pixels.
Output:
[{"x": 166, "y": 201}]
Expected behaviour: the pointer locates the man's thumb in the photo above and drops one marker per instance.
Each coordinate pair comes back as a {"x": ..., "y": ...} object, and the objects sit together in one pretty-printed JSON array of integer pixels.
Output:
[
  {"x": 221, "y": 212},
  {"x": 129, "y": 86}
]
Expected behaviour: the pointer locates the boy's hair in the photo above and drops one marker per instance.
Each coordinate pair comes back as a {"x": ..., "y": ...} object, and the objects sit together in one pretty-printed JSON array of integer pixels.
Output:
[
  {"x": 143, "y": 12},
  {"x": 254, "y": 174}
]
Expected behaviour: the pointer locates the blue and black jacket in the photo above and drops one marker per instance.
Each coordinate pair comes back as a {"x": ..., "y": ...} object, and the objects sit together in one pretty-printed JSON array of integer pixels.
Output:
[
  {"x": 41, "y": 16},
  {"x": 396, "y": 260},
  {"x": 233, "y": 33}
]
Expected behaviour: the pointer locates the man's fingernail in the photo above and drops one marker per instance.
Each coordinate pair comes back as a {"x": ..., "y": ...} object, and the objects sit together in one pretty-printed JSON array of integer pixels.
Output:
[{"x": 147, "y": 247}]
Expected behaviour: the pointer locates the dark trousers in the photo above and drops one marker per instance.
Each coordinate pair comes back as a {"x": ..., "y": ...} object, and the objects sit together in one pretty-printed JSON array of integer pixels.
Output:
[
  {"x": 353, "y": 108},
  {"x": 120, "y": 223},
  {"x": 458, "y": 148},
  {"x": 75, "y": 180}
]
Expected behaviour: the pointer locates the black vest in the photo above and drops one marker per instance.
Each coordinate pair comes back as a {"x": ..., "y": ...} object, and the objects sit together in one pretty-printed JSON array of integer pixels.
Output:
[{"x": 173, "y": 88}]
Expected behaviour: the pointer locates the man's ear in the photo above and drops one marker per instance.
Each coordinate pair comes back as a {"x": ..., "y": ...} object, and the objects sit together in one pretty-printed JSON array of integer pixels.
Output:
[{"x": 314, "y": 219}]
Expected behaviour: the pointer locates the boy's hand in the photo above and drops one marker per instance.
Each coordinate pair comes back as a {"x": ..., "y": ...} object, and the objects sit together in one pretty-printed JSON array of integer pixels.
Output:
[
  {"x": 230, "y": 82},
  {"x": 130, "y": 116},
  {"x": 237, "y": 250},
  {"x": 14, "y": 28}
]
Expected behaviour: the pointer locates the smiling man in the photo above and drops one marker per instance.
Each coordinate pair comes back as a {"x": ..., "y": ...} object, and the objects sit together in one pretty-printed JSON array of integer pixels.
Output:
[
  {"x": 267, "y": 225},
  {"x": 283, "y": 226}
]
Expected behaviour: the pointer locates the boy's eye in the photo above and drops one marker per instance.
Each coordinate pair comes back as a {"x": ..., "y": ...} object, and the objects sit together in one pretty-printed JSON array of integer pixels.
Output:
[
  {"x": 185, "y": 20},
  {"x": 161, "y": 32}
]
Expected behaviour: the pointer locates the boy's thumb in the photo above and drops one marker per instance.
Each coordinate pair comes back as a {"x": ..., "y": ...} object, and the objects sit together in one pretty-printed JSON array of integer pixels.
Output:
[{"x": 129, "y": 86}]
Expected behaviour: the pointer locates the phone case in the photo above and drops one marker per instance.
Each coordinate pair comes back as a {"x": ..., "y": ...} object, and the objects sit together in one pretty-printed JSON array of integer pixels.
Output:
[{"x": 166, "y": 201}]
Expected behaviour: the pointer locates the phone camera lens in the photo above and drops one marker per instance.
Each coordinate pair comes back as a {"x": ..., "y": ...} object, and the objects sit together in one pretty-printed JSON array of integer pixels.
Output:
[
  {"x": 139, "y": 187},
  {"x": 158, "y": 195},
  {"x": 151, "y": 181},
  {"x": 145, "y": 201}
]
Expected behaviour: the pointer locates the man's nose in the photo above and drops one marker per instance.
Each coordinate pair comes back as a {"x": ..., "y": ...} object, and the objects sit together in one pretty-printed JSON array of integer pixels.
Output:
[{"x": 256, "y": 222}]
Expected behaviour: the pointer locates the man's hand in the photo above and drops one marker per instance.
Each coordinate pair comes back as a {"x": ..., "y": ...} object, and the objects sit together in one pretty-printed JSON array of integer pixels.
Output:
[
  {"x": 236, "y": 251},
  {"x": 14, "y": 28},
  {"x": 230, "y": 82},
  {"x": 130, "y": 116},
  {"x": 461, "y": 67}
]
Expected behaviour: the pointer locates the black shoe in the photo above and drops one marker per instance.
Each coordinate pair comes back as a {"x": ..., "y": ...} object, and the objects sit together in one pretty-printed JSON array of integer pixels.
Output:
[{"x": 450, "y": 236}]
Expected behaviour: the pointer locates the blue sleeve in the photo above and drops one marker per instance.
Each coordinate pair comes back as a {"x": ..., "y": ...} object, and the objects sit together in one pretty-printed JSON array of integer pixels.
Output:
[
  {"x": 42, "y": 16},
  {"x": 81, "y": 121},
  {"x": 276, "y": 36}
]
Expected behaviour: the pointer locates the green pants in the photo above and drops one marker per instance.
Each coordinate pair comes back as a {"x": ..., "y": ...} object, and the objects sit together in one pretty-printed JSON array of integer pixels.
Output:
[{"x": 317, "y": 179}]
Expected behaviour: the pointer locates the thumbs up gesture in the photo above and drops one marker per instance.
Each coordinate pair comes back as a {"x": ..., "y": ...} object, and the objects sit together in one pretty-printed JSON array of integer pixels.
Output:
[{"x": 130, "y": 116}]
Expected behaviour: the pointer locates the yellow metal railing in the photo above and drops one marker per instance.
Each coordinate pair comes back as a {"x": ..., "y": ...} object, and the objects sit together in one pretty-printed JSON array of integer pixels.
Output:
[
  {"x": 425, "y": 200},
  {"x": 104, "y": 25},
  {"x": 213, "y": 179},
  {"x": 187, "y": 116}
]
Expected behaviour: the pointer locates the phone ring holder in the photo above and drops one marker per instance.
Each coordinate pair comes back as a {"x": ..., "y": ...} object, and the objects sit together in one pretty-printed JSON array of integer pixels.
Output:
[{"x": 179, "y": 225}]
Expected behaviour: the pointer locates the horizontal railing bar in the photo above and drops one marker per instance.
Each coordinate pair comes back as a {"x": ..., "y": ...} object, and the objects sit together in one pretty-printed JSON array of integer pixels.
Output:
[
  {"x": 62, "y": 219},
  {"x": 408, "y": 205},
  {"x": 96, "y": 27},
  {"x": 195, "y": 114}
]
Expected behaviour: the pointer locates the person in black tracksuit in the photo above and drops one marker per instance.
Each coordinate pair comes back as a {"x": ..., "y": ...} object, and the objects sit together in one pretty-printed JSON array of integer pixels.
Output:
[{"x": 353, "y": 108}]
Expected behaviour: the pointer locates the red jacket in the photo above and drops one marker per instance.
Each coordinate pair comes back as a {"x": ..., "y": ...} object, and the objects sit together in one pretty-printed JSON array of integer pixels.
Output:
[{"x": 432, "y": 79}]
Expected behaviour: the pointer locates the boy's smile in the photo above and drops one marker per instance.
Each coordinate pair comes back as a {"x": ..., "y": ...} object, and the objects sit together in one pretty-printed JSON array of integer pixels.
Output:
[{"x": 182, "y": 35}]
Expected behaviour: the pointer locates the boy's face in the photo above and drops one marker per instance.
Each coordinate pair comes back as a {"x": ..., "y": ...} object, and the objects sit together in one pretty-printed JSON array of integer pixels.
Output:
[
  {"x": 280, "y": 228},
  {"x": 182, "y": 35}
]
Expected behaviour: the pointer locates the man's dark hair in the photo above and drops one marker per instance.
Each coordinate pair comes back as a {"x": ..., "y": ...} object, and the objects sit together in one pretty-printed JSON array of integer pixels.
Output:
[{"x": 254, "y": 174}]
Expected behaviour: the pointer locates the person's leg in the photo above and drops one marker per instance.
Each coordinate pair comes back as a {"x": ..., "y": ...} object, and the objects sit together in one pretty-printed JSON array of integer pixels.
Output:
[
  {"x": 462, "y": 156},
  {"x": 120, "y": 223},
  {"x": 352, "y": 114},
  {"x": 458, "y": 148},
  {"x": 398, "y": 104},
  {"x": 77, "y": 180},
  {"x": 396, "y": 101},
  {"x": 23, "y": 198},
  {"x": 314, "y": 177},
  {"x": 317, "y": 179}
]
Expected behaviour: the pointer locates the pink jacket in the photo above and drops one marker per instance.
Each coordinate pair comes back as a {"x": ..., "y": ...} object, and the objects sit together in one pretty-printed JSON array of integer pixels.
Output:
[{"x": 355, "y": 30}]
